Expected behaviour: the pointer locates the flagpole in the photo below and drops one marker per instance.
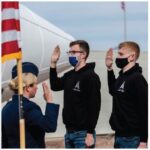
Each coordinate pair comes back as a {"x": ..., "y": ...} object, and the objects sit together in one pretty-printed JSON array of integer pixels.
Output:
[
  {"x": 124, "y": 20},
  {"x": 20, "y": 91},
  {"x": 125, "y": 25}
]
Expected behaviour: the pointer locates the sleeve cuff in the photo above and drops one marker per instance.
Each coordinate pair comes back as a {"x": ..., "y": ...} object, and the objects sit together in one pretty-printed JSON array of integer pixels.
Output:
[
  {"x": 91, "y": 131},
  {"x": 52, "y": 106},
  {"x": 52, "y": 69},
  {"x": 143, "y": 139},
  {"x": 110, "y": 71}
]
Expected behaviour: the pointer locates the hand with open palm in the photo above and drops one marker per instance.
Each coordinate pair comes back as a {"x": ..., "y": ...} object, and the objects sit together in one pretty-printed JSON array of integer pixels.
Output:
[
  {"x": 55, "y": 56},
  {"x": 109, "y": 59},
  {"x": 47, "y": 93}
]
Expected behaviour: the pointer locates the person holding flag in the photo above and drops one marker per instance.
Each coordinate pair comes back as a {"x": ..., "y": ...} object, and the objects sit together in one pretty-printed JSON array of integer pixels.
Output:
[
  {"x": 36, "y": 124},
  {"x": 23, "y": 124},
  {"x": 11, "y": 49}
]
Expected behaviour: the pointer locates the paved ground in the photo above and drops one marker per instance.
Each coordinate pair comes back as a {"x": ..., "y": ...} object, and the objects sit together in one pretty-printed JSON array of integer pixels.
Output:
[{"x": 103, "y": 141}]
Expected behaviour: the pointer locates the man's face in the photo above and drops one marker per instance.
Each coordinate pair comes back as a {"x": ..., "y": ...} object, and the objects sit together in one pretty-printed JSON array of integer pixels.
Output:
[
  {"x": 125, "y": 52},
  {"x": 76, "y": 51}
]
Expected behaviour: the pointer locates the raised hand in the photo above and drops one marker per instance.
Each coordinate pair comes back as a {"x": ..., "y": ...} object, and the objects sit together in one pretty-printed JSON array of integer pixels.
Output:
[
  {"x": 47, "y": 94},
  {"x": 109, "y": 59},
  {"x": 55, "y": 56}
]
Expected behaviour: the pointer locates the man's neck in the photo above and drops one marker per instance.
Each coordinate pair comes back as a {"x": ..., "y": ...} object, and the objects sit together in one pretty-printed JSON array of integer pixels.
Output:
[
  {"x": 129, "y": 66},
  {"x": 81, "y": 65}
]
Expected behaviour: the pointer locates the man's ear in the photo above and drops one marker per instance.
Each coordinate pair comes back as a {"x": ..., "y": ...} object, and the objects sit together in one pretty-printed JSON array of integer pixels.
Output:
[
  {"x": 84, "y": 55},
  {"x": 133, "y": 57}
]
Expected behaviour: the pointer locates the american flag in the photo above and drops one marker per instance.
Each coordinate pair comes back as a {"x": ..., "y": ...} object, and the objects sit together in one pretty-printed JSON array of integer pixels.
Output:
[
  {"x": 11, "y": 47},
  {"x": 123, "y": 6}
]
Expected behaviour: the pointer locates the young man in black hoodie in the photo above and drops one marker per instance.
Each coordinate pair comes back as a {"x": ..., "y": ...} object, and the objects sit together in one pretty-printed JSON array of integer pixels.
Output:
[
  {"x": 82, "y": 96},
  {"x": 129, "y": 116}
]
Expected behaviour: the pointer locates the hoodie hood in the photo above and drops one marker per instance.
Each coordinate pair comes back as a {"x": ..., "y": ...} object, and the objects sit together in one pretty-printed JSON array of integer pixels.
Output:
[
  {"x": 135, "y": 68},
  {"x": 88, "y": 66}
]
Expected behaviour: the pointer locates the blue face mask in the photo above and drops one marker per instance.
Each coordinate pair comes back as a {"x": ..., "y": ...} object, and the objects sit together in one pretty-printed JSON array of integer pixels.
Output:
[{"x": 73, "y": 60}]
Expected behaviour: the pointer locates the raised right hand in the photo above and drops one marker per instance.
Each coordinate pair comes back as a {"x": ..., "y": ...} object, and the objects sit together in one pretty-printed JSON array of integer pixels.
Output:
[
  {"x": 47, "y": 94},
  {"x": 109, "y": 59},
  {"x": 55, "y": 55}
]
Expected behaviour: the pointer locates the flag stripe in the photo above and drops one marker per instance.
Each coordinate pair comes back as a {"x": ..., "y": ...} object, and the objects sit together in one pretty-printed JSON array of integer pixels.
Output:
[
  {"x": 17, "y": 55},
  {"x": 11, "y": 35},
  {"x": 10, "y": 24},
  {"x": 11, "y": 38},
  {"x": 10, "y": 13},
  {"x": 10, "y": 47},
  {"x": 9, "y": 4}
]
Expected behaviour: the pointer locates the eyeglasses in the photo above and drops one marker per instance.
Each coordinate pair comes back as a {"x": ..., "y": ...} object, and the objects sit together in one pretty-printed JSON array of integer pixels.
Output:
[{"x": 73, "y": 52}]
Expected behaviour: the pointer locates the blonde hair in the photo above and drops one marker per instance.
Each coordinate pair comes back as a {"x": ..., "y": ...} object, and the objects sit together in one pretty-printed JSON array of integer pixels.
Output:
[
  {"x": 28, "y": 79},
  {"x": 132, "y": 45}
]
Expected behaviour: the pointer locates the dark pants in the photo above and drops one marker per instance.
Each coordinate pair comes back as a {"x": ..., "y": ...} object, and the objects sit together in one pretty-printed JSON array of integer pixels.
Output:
[
  {"x": 76, "y": 139},
  {"x": 127, "y": 142}
]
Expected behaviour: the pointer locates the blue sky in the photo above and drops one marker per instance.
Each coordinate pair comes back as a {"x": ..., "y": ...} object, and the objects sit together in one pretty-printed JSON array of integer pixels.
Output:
[{"x": 99, "y": 23}]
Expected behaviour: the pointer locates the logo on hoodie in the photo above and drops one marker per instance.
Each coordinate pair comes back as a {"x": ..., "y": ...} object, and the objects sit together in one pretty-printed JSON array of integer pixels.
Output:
[
  {"x": 121, "y": 88},
  {"x": 77, "y": 87}
]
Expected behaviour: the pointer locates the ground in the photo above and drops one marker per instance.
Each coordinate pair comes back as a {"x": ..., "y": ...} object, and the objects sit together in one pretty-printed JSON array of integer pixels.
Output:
[{"x": 102, "y": 141}]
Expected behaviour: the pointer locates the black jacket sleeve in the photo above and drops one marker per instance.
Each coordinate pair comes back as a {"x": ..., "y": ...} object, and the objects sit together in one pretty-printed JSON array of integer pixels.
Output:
[
  {"x": 141, "y": 97},
  {"x": 111, "y": 81},
  {"x": 94, "y": 102},
  {"x": 47, "y": 122},
  {"x": 57, "y": 84}
]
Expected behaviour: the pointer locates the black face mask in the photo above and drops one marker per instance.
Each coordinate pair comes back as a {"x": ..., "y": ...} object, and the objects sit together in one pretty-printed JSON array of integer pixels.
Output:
[{"x": 121, "y": 62}]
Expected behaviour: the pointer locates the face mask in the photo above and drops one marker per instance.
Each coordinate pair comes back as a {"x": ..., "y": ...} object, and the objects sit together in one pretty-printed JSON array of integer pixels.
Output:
[
  {"x": 73, "y": 60},
  {"x": 121, "y": 62}
]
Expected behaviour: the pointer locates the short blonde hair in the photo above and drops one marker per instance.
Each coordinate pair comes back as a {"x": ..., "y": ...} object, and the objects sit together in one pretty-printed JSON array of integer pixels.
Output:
[
  {"x": 28, "y": 79},
  {"x": 132, "y": 45}
]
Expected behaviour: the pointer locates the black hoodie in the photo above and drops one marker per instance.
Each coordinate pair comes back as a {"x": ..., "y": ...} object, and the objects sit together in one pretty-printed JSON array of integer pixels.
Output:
[
  {"x": 130, "y": 103},
  {"x": 82, "y": 97}
]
